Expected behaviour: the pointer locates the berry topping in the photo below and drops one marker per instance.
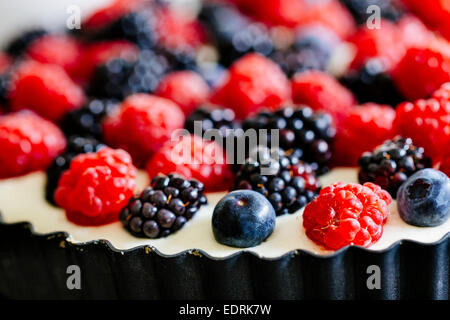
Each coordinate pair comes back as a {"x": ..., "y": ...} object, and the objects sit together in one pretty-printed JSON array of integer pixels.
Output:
[
  {"x": 96, "y": 187},
  {"x": 309, "y": 132},
  {"x": 347, "y": 214},
  {"x": 285, "y": 181},
  {"x": 322, "y": 92},
  {"x": 142, "y": 125},
  {"x": 194, "y": 158},
  {"x": 366, "y": 127},
  {"x": 20, "y": 44},
  {"x": 390, "y": 164},
  {"x": 389, "y": 9},
  {"x": 164, "y": 207},
  {"x": 5, "y": 62},
  {"x": 45, "y": 89},
  {"x": 243, "y": 219},
  {"x": 424, "y": 199},
  {"x": 253, "y": 82},
  {"x": 28, "y": 143},
  {"x": 186, "y": 88}
]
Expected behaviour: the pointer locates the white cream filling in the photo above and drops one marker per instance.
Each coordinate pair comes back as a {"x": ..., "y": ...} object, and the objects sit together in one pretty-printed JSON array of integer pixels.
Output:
[{"x": 22, "y": 200}]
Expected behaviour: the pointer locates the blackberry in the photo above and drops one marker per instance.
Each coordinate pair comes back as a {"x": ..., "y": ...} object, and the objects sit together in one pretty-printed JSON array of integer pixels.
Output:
[
  {"x": 20, "y": 44},
  {"x": 119, "y": 78},
  {"x": 4, "y": 89},
  {"x": 75, "y": 146},
  {"x": 302, "y": 129},
  {"x": 87, "y": 120},
  {"x": 284, "y": 180},
  {"x": 390, "y": 164},
  {"x": 390, "y": 9},
  {"x": 164, "y": 207},
  {"x": 372, "y": 83},
  {"x": 233, "y": 33}
]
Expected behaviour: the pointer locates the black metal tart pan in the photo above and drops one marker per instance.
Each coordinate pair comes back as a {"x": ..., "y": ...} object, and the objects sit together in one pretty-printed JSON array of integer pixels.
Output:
[{"x": 35, "y": 266}]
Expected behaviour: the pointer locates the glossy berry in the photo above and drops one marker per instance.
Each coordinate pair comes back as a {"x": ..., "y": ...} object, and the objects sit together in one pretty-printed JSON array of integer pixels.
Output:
[
  {"x": 365, "y": 127},
  {"x": 300, "y": 128},
  {"x": 347, "y": 214},
  {"x": 321, "y": 91},
  {"x": 87, "y": 121},
  {"x": 390, "y": 164},
  {"x": 253, "y": 82},
  {"x": 194, "y": 158},
  {"x": 28, "y": 143},
  {"x": 19, "y": 45},
  {"x": 424, "y": 199},
  {"x": 186, "y": 88},
  {"x": 211, "y": 117},
  {"x": 96, "y": 187},
  {"x": 285, "y": 181},
  {"x": 141, "y": 125},
  {"x": 45, "y": 89},
  {"x": 243, "y": 219},
  {"x": 164, "y": 207}
]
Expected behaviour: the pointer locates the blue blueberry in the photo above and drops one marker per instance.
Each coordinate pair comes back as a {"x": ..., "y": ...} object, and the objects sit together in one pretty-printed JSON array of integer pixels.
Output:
[
  {"x": 424, "y": 199},
  {"x": 243, "y": 219}
]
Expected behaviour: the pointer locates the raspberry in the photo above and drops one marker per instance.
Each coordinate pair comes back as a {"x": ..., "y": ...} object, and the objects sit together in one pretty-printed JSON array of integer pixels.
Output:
[
  {"x": 142, "y": 125},
  {"x": 194, "y": 158},
  {"x": 347, "y": 214},
  {"x": 422, "y": 71},
  {"x": 96, "y": 187},
  {"x": 5, "y": 62},
  {"x": 20, "y": 44},
  {"x": 164, "y": 207},
  {"x": 28, "y": 143},
  {"x": 427, "y": 122},
  {"x": 253, "y": 82},
  {"x": 321, "y": 91},
  {"x": 366, "y": 127},
  {"x": 186, "y": 88},
  {"x": 445, "y": 166},
  {"x": 56, "y": 49},
  {"x": 45, "y": 89},
  {"x": 98, "y": 53}
]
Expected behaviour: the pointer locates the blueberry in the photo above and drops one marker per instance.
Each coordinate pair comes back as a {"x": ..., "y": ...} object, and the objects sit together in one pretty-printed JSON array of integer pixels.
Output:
[
  {"x": 243, "y": 219},
  {"x": 424, "y": 199}
]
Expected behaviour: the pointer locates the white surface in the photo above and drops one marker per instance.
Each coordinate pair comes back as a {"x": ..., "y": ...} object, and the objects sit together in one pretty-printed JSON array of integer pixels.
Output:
[{"x": 22, "y": 199}]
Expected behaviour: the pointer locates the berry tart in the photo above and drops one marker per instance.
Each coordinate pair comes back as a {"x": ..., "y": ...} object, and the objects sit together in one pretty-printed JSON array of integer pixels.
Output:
[{"x": 128, "y": 152}]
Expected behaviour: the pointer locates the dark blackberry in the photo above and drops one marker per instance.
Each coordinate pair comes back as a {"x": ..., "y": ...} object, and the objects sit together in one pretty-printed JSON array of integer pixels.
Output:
[
  {"x": 302, "y": 129},
  {"x": 389, "y": 9},
  {"x": 75, "y": 146},
  {"x": 372, "y": 83},
  {"x": 286, "y": 182},
  {"x": 20, "y": 44},
  {"x": 233, "y": 33},
  {"x": 390, "y": 164},
  {"x": 119, "y": 78},
  {"x": 164, "y": 207},
  {"x": 86, "y": 121},
  {"x": 4, "y": 89}
]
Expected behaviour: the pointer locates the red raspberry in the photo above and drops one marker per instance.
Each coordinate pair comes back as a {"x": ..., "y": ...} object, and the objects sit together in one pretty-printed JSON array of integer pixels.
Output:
[
  {"x": 321, "y": 91},
  {"x": 142, "y": 125},
  {"x": 347, "y": 214},
  {"x": 5, "y": 62},
  {"x": 45, "y": 89},
  {"x": 194, "y": 158},
  {"x": 384, "y": 42},
  {"x": 444, "y": 166},
  {"x": 186, "y": 88},
  {"x": 366, "y": 127},
  {"x": 56, "y": 49},
  {"x": 423, "y": 70},
  {"x": 427, "y": 122},
  {"x": 96, "y": 186},
  {"x": 97, "y": 53},
  {"x": 413, "y": 32},
  {"x": 28, "y": 143},
  {"x": 253, "y": 82}
]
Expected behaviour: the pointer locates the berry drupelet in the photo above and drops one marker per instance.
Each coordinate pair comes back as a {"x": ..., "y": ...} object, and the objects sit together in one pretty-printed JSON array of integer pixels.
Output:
[
  {"x": 284, "y": 180},
  {"x": 390, "y": 164},
  {"x": 86, "y": 121},
  {"x": 20, "y": 44},
  {"x": 300, "y": 128},
  {"x": 75, "y": 145},
  {"x": 164, "y": 207}
]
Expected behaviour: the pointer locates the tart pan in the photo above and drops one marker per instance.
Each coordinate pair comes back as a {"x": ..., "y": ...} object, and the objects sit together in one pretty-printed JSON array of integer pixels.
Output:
[{"x": 35, "y": 266}]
